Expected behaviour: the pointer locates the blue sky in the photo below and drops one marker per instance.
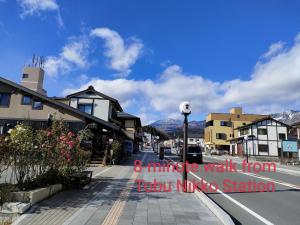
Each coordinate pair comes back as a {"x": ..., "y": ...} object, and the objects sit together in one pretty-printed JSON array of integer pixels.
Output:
[{"x": 151, "y": 55}]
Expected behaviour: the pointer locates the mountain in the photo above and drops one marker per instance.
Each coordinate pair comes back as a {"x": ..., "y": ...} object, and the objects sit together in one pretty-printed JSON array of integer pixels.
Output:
[
  {"x": 174, "y": 127},
  {"x": 167, "y": 125},
  {"x": 288, "y": 117}
]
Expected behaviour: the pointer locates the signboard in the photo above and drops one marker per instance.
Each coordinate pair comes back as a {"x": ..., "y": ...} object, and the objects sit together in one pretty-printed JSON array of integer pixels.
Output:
[{"x": 289, "y": 146}]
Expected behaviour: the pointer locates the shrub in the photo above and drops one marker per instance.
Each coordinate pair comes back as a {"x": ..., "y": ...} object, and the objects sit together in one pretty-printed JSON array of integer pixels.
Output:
[
  {"x": 22, "y": 151},
  {"x": 116, "y": 152},
  {"x": 43, "y": 157},
  {"x": 5, "y": 159}
]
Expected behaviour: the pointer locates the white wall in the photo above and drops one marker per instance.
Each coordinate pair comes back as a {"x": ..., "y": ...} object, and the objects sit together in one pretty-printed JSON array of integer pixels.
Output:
[
  {"x": 101, "y": 109},
  {"x": 270, "y": 139},
  {"x": 194, "y": 141},
  {"x": 101, "y": 105}
]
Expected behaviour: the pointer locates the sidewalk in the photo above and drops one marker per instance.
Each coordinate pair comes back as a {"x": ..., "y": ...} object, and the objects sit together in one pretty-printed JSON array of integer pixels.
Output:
[
  {"x": 113, "y": 198},
  {"x": 165, "y": 208}
]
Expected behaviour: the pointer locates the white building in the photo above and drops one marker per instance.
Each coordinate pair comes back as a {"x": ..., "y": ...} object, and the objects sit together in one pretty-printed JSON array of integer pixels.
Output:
[
  {"x": 196, "y": 139},
  {"x": 96, "y": 104},
  {"x": 264, "y": 138}
]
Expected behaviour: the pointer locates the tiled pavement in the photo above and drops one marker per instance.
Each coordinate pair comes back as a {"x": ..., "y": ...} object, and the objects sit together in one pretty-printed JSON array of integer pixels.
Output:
[
  {"x": 164, "y": 208},
  {"x": 113, "y": 198}
]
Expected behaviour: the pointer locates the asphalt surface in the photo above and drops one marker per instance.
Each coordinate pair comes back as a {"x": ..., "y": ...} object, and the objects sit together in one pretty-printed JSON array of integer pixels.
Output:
[{"x": 248, "y": 206}]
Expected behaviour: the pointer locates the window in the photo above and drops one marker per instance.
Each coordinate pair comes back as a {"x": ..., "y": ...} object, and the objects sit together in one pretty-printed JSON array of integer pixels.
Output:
[
  {"x": 191, "y": 139},
  {"x": 209, "y": 123},
  {"x": 244, "y": 124},
  {"x": 263, "y": 148},
  {"x": 26, "y": 100},
  {"x": 86, "y": 108},
  {"x": 262, "y": 131},
  {"x": 238, "y": 116},
  {"x": 37, "y": 105},
  {"x": 25, "y": 75},
  {"x": 281, "y": 136},
  {"x": 4, "y": 99},
  {"x": 221, "y": 136},
  {"x": 244, "y": 132},
  {"x": 225, "y": 123},
  {"x": 197, "y": 139}
]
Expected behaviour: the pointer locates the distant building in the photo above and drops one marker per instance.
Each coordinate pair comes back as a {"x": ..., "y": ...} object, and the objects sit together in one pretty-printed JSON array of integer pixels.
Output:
[
  {"x": 132, "y": 128},
  {"x": 196, "y": 139},
  {"x": 220, "y": 128},
  {"x": 264, "y": 138}
]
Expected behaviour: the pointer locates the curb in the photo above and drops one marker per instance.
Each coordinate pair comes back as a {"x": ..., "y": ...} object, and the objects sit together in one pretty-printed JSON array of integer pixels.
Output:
[{"x": 217, "y": 210}]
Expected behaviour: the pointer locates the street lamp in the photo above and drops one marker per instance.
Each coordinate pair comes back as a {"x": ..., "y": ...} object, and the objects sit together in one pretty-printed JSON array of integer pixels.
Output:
[
  {"x": 185, "y": 109},
  {"x": 157, "y": 145},
  {"x": 246, "y": 140}
]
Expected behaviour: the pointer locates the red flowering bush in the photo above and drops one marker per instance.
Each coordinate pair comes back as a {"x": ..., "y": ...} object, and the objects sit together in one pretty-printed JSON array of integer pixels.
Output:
[
  {"x": 34, "y": 154},
  {"x": 62, "y": 149}
]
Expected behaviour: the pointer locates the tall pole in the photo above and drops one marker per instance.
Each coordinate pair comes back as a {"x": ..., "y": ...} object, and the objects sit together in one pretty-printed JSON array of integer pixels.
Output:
[
  {"x": 184, "y": 153},
  {"x": 281, "y": 153},
  {"x": 247, "y": 150}
]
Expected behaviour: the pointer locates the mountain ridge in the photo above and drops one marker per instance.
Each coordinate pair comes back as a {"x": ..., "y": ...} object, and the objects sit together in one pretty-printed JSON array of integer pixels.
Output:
[{"x": 172, "y": 126}]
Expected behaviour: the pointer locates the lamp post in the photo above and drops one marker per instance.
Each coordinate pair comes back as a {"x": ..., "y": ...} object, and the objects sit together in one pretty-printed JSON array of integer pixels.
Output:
[
  {"x": 246, "y": 140},
  {"x": 185, "y": 109}
]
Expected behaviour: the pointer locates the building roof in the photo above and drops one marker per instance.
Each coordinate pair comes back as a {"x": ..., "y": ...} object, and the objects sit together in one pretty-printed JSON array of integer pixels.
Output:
[
  {"x": 60, "y": 105},
  {"x": 195, "y": 135},
  {"x": 260, "y": 120},
  {"x": 59, "y": 98},
  {"x": 92, "y": 89},
  {"x": 124, "y": 115},
  {"x": 296, "y": 124}
]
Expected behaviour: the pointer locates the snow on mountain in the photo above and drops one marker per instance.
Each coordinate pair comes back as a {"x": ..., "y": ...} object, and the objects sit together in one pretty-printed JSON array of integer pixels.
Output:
[
  {"x": 172, "y": 125},
  {"x": 288, "y": 117}
]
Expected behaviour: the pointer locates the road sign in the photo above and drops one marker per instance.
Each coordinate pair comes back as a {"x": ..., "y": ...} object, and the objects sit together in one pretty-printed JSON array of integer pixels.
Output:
[{"x": 289, "y": 146}]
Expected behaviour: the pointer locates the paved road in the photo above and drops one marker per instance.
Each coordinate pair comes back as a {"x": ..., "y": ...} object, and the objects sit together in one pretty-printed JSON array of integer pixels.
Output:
[{"x": 278, "y": 207}]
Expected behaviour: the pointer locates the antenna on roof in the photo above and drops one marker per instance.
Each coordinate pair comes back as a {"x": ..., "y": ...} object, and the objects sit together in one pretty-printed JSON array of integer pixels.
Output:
[{"x": 37, "y": 61}]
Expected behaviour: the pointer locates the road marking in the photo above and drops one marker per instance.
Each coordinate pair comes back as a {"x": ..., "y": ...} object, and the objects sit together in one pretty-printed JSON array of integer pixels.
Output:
[
  {"x": 113, "y": 216},
  {"x": 262, "y": 219},
  {"x": 269, "y": 179},
  {"x": 282, "y": 170},
  {"x": 259, "y": 217}
]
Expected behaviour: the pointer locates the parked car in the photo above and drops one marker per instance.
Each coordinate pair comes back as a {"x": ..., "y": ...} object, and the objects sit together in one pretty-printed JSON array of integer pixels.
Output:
[
  {"x": 194, "y": 154},
  {"x": 219, "y": 152}
]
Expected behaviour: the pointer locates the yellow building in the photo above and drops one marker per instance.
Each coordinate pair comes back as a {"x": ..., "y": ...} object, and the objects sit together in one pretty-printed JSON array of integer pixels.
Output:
[{"x": 220, "y": 127}]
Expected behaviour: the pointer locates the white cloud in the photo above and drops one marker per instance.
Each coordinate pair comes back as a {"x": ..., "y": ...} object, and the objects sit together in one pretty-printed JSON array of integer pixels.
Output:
[
  {"x": 153, "y": 98},
  {"x": 276, "y": 81},
  {"x": 121, "y": 55},
  {"x": 274, "y": 49},
  {"x": 73, "y": 56},
  {"x": 35, "y": 7},
  {"x": 273, "y": 86}
]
